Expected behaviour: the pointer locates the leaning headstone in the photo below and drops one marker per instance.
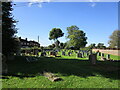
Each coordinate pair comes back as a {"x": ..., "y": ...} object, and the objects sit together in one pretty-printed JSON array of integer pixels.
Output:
[{"x": 93, "y": 58}]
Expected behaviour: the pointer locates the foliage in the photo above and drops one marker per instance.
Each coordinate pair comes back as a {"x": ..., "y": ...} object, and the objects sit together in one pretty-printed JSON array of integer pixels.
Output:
[
  {"x": 9, "y": 44},
  {"x": 76, "y": 37},
  {"x": 92, "y": 46},
  {"x": 55, "y": 33},
  {"x": 63, "y": 45},
  {"x": 101, "y": 45},
  {"x": 114, "y": 41}
]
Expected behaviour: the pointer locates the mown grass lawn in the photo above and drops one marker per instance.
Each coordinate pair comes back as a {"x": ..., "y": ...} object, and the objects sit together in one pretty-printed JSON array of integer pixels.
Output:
[{"x": 76, "y": 73}]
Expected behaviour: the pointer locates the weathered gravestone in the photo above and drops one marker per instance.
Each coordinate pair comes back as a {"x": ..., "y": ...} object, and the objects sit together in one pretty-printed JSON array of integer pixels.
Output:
[
  {"x": 52, "y": 77},
  {"x": 87, "y": 54},
  {"x": 93, "y": 58},
  {"x": 53, "y": 53},
  {"x": 99, "y": 53},
  {"x": 102, "y": 57},
  {"x": 83, "y": 54},
  {"x": 108, "y": 57},
  {"x": 63, "y": 53},
  {"x": 79, "y": 55},
  {"x": 69, "y": 53},
  {"x": 102, "y": 54},
  {"x": 43, "y": 53},
  {"x": 4, "y": 65}
]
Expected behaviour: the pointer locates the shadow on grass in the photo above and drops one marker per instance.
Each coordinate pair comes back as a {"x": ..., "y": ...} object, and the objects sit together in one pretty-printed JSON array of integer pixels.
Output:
[{"x": 66, "y": 67}]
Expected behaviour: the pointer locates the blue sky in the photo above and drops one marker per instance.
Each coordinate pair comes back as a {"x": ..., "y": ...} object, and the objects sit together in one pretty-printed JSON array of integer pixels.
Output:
[{"x": 97, "y": 20}]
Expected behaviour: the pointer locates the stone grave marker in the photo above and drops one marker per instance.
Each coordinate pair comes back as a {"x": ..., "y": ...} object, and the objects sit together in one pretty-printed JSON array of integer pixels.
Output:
[
  {"x": 79, "y": 55},
  {"x": 69, "y": 53},
  {"x": 99, "y": 53},
  {"x": 83, "y": 54},
  {"x": 102, "y": 54},
  {"x": 93, "y": 58},
  {"x": 108, "y": 56},
  {"x": 63, "y": 53}
]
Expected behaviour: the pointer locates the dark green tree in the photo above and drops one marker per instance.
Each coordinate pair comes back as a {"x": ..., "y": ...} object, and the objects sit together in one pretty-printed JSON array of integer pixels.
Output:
[
  {"x": 77, "y": 38},
  {"x": 101, "y": 45},
  {"x": 92, "y": 46},
  {"x": 9, "y": 43},
  {"x": 114, "y": 41},
  {"x": 54, "y": 34}
]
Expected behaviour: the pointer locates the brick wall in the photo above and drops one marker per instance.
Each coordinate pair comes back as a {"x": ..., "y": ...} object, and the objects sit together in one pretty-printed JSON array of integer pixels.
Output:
[{"x": 113, "y": 52}]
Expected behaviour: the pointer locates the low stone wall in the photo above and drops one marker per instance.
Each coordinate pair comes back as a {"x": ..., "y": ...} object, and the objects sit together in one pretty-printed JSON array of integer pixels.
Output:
[{"x": 113, "y": 52}]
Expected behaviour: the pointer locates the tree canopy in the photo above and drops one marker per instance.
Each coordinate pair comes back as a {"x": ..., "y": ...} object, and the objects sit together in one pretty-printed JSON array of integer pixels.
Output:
[
  {"x": 114, "y": 41},
  {"x": 77, "y": 38},
  {"x": 55, "y": 33}
]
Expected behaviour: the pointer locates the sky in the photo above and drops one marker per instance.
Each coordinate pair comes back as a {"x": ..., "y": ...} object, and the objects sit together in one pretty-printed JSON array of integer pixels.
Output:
[{"x": 97, "y": 19}]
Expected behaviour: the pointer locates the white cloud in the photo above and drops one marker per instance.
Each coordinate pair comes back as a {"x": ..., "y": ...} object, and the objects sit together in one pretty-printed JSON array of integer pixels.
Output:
[{"x": 93, "y": 4}]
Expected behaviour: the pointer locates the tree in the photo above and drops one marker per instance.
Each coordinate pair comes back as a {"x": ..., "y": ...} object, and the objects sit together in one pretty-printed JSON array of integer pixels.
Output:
[
  {"x": 92, "y": 46},
  {"x": 76, "y": 37},
  {"x": 9, "y": 43},
  {"x": 101, "y": 45},
  {"x": 54, "y": 34},
  {"x": 57, "y": 43},
  {"x": 114, "y": 41}
]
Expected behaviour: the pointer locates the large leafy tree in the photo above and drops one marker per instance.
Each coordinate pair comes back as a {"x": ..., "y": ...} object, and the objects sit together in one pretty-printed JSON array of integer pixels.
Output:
[
  {"x": 114, "y": 41},
  {"x": 9, "y": 42},
  {"x": 54, "y": 34},
  {"x": 77, "y": 38}
]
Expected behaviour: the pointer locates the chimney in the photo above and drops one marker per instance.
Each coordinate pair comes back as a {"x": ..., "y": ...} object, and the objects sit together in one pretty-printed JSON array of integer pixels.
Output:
[
  {"x": 26, "y": 39},
  {"x": 20, "y": 38}
]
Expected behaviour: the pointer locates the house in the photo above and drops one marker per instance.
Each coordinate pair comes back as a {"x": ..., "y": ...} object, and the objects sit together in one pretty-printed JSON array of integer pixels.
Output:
[{"x": 25, "y": 43}]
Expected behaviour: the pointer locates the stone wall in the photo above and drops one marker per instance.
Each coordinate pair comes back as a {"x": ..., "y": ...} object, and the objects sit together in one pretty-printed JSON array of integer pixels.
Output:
[{"x": 113, "y": 52}]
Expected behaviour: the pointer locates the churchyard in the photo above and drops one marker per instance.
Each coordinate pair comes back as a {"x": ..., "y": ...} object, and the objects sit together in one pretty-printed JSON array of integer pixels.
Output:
[{"x": 73, "y": 67}]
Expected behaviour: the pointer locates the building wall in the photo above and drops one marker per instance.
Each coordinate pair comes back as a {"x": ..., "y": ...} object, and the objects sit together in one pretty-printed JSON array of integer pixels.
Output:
[{"x": 113, "y": 52}]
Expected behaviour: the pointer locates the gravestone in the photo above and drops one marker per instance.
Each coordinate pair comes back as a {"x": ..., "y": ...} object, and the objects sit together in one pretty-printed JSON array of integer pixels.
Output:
[
  {"x": 87, "y": 54},
  {"x": 43, "y": 53},
  {"x": 82, "y": 54},
  {"x": 63, "y": 53},
  {"x": 53, "y": 53},
  {"x": 79, "y": 55},
  {"x": 108, "y": 57},
  {"x": 99, "y": 54},
  {"x": 102, "y": 54},
  {"x": 69, "y": 53},
  {"x": 93, "y": 58}
]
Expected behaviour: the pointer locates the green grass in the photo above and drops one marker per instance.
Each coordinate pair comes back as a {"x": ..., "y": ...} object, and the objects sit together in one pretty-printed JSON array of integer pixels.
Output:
[{"x": 76, "y": 73}]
